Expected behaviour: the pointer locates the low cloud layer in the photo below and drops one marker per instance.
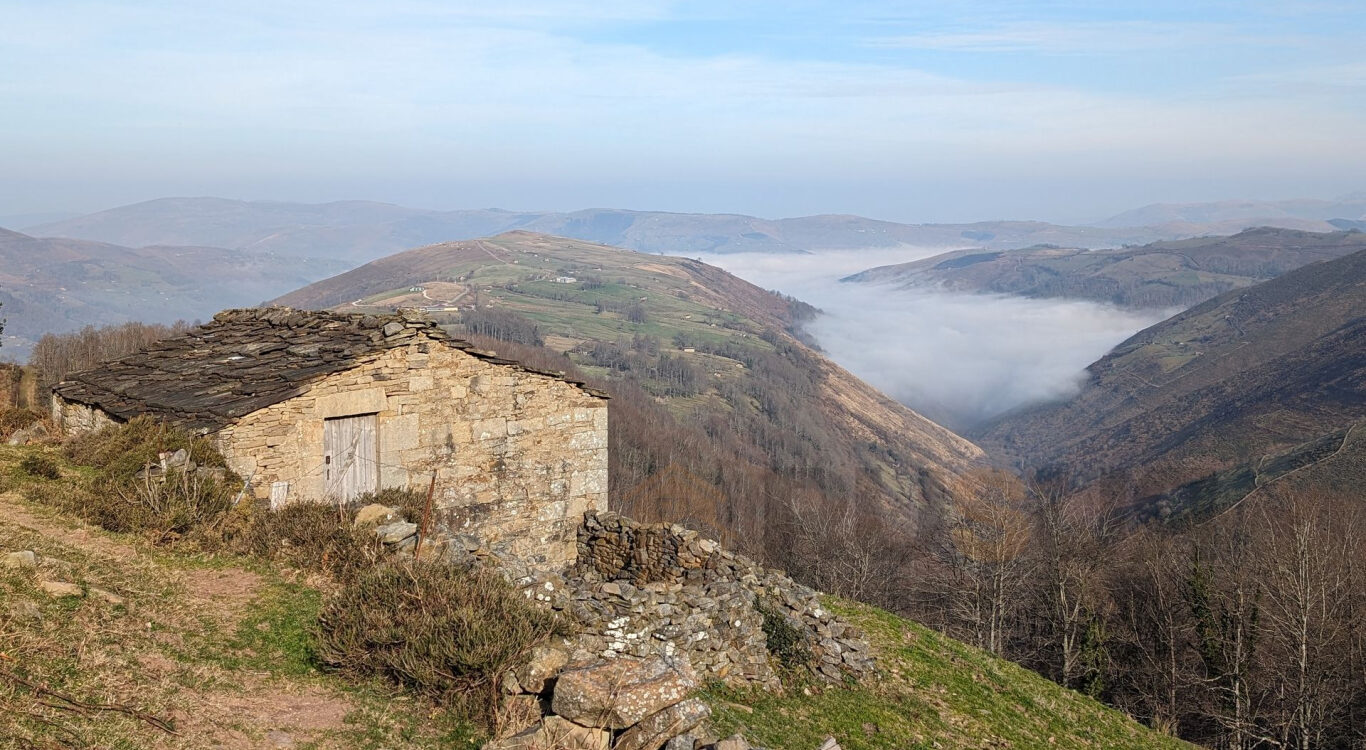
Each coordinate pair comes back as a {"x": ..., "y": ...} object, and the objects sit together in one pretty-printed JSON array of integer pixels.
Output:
[{"x": 957, "y": 358}]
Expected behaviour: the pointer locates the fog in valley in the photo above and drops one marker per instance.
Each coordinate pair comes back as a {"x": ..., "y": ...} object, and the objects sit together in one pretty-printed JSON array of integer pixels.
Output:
[{"x": 957, "y": 358}]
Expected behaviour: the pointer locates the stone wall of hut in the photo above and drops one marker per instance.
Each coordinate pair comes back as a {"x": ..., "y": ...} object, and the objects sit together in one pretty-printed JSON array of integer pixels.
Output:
[{"x": 518, "y": 456}]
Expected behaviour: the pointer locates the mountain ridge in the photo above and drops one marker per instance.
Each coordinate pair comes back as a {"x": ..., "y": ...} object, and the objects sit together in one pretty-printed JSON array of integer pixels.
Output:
[
  {"x": 1174, "y": 273},
  {"x": 381, "y": 229},
  {"x": 1242, "y": 376}
]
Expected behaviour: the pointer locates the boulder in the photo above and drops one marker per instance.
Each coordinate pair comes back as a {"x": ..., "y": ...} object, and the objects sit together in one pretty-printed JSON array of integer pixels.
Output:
[
  {"x": 554, "y": 733},
  {"x": 25, "y": 559},
  {"x": 545, "y": 664},
  {"x": 396, "y": 532},
  {"x": 653, "y": 732},
  {"x": 830, "y": 744},
  {"x": 374, "y": 514},
  {"x": 733, "y": 742},
  {"x": 26, "y": 435},
  {"x": 623, "y": 691}
]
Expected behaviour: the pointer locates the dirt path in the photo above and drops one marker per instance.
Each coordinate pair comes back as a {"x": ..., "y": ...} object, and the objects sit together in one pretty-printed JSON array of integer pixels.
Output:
[
  {"x": 158, "y": 639},
  {"x": 14, "y": 511}
]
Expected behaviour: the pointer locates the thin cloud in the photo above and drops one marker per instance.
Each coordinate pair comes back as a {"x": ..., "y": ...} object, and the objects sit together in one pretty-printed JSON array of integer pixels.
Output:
[{"x": 1070, "y": 37}]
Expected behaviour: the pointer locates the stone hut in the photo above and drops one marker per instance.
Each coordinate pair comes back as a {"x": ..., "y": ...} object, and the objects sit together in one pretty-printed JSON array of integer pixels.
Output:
[{"x": 320, "y": 406}]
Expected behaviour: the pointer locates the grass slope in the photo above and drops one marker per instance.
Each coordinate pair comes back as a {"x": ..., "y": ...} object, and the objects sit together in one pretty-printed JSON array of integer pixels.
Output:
[
  {"x": 935, "y": 692},
  {"x": 221, "y": 648}
]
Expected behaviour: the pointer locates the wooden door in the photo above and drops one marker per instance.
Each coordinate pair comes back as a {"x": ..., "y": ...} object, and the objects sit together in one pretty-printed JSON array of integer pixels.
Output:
[{"x": 351, "y": 456}]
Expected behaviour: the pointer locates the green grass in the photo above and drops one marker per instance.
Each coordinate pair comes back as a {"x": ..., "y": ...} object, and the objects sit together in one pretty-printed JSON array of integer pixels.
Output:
[
  {"x": 275, "y": 633},
  {"x": 934, "y": 692}
]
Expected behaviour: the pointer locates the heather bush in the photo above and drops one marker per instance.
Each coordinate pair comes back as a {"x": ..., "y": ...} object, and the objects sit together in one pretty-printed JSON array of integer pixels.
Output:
[{"x": 439, "y": 629}]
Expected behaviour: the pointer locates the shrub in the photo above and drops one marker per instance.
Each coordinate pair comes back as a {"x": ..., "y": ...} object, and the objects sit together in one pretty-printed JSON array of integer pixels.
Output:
[
  {"x": 121, "y": 451},
  {"x": 439, "y": 629},
  {"x": 38, "y": 465},
  {"x": 316, "y": 537},
  {"x": 128, "y": 496},
  {"x": 13, "y": 419}
]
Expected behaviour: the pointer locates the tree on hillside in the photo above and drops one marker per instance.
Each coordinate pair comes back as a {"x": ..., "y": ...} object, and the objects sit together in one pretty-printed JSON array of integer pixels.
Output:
[
  {"x": 979, "y": 561},
  {"x": 1071, "y": 545}
]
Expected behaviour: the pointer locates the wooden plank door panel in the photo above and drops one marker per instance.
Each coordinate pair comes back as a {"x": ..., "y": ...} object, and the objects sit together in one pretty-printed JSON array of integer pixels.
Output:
[{"x": 351, "y": 456}]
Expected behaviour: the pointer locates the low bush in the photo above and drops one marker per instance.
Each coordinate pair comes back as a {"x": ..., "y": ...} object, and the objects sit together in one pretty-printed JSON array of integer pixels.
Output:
[
  {"x": 13, "y": 419},
  {"x": 130, "y": 492},
  {"x": 38, "y": 465},
  {"x": 439, "y": 629},
  {"x": 120, "y": 452},
  {"x": 316, "y": 537}
]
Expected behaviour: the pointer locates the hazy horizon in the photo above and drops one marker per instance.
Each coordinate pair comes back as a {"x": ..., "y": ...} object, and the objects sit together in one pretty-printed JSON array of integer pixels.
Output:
[{"x": 912, "y": 112}]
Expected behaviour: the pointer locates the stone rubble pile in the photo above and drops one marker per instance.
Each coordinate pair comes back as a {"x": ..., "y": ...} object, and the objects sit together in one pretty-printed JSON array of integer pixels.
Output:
[
  {"x": 659, "y": 589},
  {"x": 645, "y": 590},
  {"x": 623, "y": 703},
  {"x": 655, "y": 605}
]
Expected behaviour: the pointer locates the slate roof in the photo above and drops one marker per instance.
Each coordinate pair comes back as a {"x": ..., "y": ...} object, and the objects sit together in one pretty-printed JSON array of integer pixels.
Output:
[{"x": 245, "y": 360}]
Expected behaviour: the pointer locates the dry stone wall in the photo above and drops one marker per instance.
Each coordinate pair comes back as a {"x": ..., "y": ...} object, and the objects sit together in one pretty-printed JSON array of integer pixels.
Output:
[{"x": 643, "y": 590}]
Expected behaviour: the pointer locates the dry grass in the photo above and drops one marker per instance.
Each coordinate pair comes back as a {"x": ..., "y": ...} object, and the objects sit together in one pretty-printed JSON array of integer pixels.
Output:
[{"x": 220, "y": 648}]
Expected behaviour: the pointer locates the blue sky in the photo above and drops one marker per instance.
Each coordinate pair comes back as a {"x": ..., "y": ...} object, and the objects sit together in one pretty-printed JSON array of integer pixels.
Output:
[{"x": 907, "y": 111}]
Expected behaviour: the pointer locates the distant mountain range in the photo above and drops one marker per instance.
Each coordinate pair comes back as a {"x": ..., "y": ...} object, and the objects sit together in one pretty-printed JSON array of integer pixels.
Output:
[
  {"x": 58, "y": 285},
  {"x": 358, "y": 231},
  {"x": 1168, "y": 274},
  {"x": 1197, "y": 411},
  {"x": 1226, "y": 217}
]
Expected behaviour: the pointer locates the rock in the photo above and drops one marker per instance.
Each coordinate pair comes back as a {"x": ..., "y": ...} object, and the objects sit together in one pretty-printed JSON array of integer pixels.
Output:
[
  {"x": 393, "y": 533},
  {"x": 373, "y": 515},
  {"x": 621, "y": 692},
  {"x": 653, "y": 732},
  {"x": 31, "y": 434},
  {"x": 681, "y": 742},
  {"x": 733, "y": 742},
  {"x": 25, "y": 559},
  {"x": 24, "y": 610},
  {"x": 177, "y": 460},
  {"x": 545, "y": 664},
  {"x": 830, "y": 744},
  {"x": 554, "y": 733},
  {"x": 107, "y": 597},
  {"x": 59, "y": 589},
  {"x": 519, "y": 712}
]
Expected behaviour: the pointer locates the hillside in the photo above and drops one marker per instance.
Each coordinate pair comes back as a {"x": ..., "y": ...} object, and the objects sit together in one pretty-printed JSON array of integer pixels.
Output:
[
  {"x": 1250, "y": 374},
  {"x": 359, "y": 231},
  {"x": 158, "y": 647},
  {"x": 57, "y": 285},
  {"x": 1163, "y": 274},
  {"x": 716, "y": 350}
]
